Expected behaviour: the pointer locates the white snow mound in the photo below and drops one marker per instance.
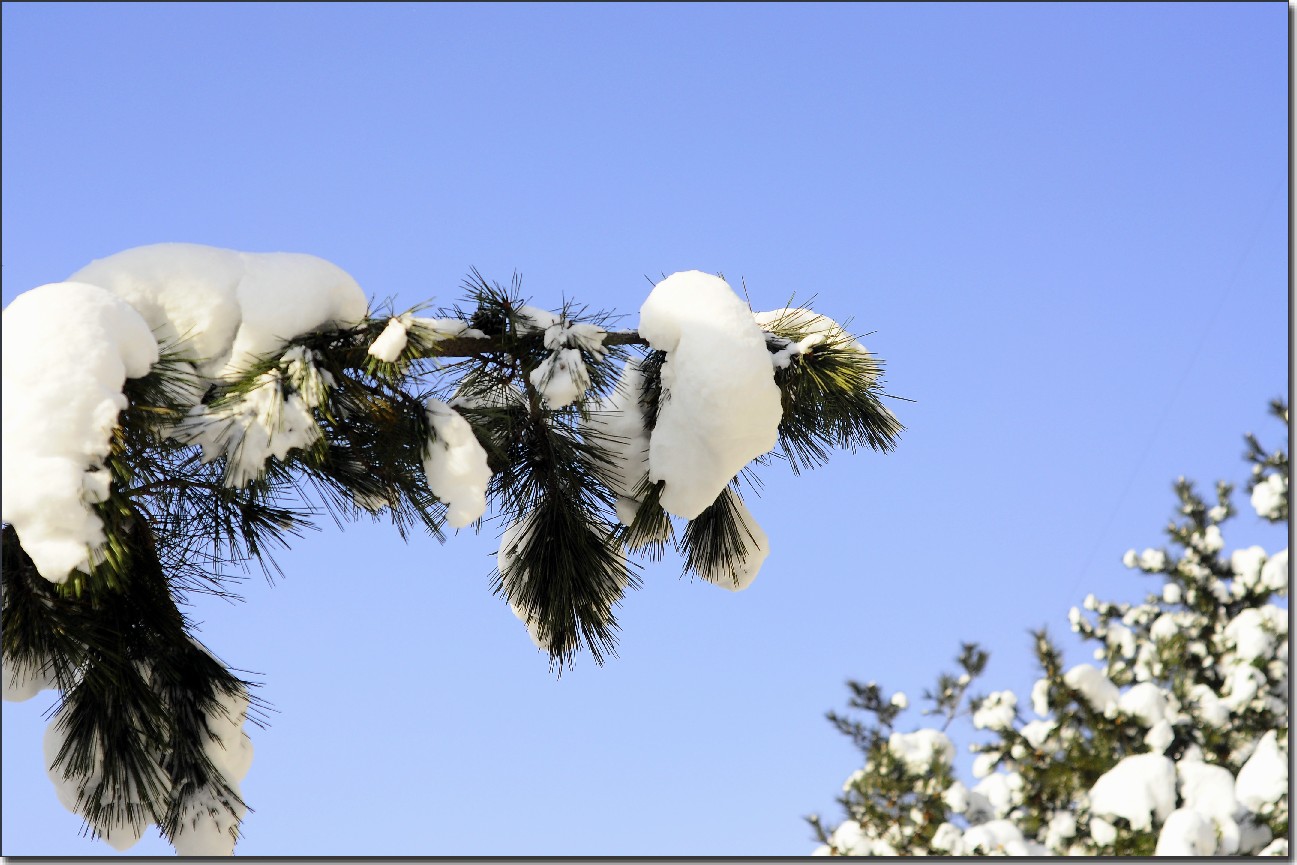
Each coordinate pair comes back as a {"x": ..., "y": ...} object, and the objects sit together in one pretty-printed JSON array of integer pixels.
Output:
[
  {"x": 455, "y": 465},
  {"x": 720, "y": 407},
  {"x": 68, "y": 348},
  {"x": 1140, "y": 788},
  {"x": 616, "y": 423},
  {"x": 226, "y": 307},
  {"x": 1263, "y": 779}
]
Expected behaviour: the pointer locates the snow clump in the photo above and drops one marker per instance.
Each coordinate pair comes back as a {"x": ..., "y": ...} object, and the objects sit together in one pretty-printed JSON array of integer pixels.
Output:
[
  {"x": 1037, "y": 733},
  {"x": 1269, "y": 496},
  {"x": 274, "y": 416},
  {"x": 228, "y": 308},
  {"x": 1140, "y": 788},
  {"x": 948, "y": 839},
  {"x": 1263, "y": 780},
  {"x": 1152, "y": 560},
  {"x": 511, "y": 544},
  {"x": 455, "y": 464},
  {"x": 998, "y": 837},
  {"x": 68, "y": 349},
  {"x": 917, "y": 750},
  {"x": 817, "y": 328},
  {"x": 851, "y": 840},
  {"x": 209, "y": 817},
  {"x": 132, "y": 818},
  {"x": 720, "y": 405},
  {"x": 24, "y": 681},
  {"x": 1246, "y": 565},
  {"x": 1274, "y": 573},
  {"x": 997, "y": 711},
  {"x": 1040, "y": 697},
  {"x": 1208, "y": 790},
  {"x": 618, "y": 423},
  {"x": 1145, "y": 701},
  {"x": 393, "y": 340},
  {"x": 1097, "y": 689},
  {"x": 1186, "y": 833},
  {"x": 562, "y": 377}
]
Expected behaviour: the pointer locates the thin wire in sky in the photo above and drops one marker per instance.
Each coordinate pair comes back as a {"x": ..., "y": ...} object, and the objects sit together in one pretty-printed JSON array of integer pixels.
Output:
[{"x": 1174, "y": 393}]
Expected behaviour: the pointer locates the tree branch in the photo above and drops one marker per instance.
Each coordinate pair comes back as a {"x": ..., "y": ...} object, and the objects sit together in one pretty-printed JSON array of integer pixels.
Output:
[{"x": 467, "y": 346}]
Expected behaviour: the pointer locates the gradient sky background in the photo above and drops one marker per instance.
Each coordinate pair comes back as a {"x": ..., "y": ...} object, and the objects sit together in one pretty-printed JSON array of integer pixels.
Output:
[{"x": 1065, "y": 225}]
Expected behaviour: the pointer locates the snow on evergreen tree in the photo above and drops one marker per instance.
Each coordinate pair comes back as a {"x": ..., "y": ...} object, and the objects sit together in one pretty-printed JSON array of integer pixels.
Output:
[
  {"x": 1175, "y": 744},
  {"x": 175, "y": 411}
]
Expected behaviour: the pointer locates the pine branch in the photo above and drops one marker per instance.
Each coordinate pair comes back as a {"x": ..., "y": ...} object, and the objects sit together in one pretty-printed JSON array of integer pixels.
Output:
[
  {"x": 136, "y": 688},
  {"x": 563, "y": 570},
  {"x": 831, "y": 390},
  {"x": 201, "y": 487},
  {"x": 489, "y": 346}
]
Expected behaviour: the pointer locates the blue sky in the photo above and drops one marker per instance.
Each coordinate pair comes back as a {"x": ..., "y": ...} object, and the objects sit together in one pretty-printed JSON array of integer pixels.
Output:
[{"x": 1064, "y": 225}]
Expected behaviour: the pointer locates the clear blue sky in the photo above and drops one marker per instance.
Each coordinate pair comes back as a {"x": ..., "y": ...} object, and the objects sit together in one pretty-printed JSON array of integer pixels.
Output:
[{"x": 1066, "y": 226}]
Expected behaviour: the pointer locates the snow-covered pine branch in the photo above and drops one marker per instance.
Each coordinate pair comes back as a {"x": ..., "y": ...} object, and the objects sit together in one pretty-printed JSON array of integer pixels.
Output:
[
  {"x": 1175, "y": 742},
  {"x": 174, "y": 411}
]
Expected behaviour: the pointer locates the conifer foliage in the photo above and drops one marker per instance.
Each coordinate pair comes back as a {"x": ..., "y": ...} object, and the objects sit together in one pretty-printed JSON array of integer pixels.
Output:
[
  {"x": 1175, "y": 744},
  {"x": 219, "y": 401}
]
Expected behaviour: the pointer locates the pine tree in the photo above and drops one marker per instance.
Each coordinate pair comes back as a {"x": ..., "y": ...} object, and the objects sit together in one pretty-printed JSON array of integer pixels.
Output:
[
  {"x": 491, "y": 406},
  {"x": 1176, "y": 745}
]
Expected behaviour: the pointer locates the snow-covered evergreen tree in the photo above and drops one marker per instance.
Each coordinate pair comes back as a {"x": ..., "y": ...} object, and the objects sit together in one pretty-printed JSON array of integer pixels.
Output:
[
  {"x": 1174, "y": 743},
  {"x": 173, "y": 412}
]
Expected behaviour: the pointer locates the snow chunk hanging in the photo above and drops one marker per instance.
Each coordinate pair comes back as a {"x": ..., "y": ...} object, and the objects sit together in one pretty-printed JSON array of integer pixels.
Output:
[
  {"x": 562, "y": 377},
  {"x": 209, "y": 817},
  {"x": 1186, "y": 833},
  {"x": 125, "y": 815},
  {"x": 1269, "y": 495},
  {"x": 511, "y": 542},
  {"x": 617, "y": 422},
  {"x": 273, "y": 416},
  {"x": 392, "y": 342},
  {"x": 720, "y": 407},
  {"x": 455, "y": 464},
  {"x": 22, "y": 681},
  {"x": 68, "y": 349}
]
